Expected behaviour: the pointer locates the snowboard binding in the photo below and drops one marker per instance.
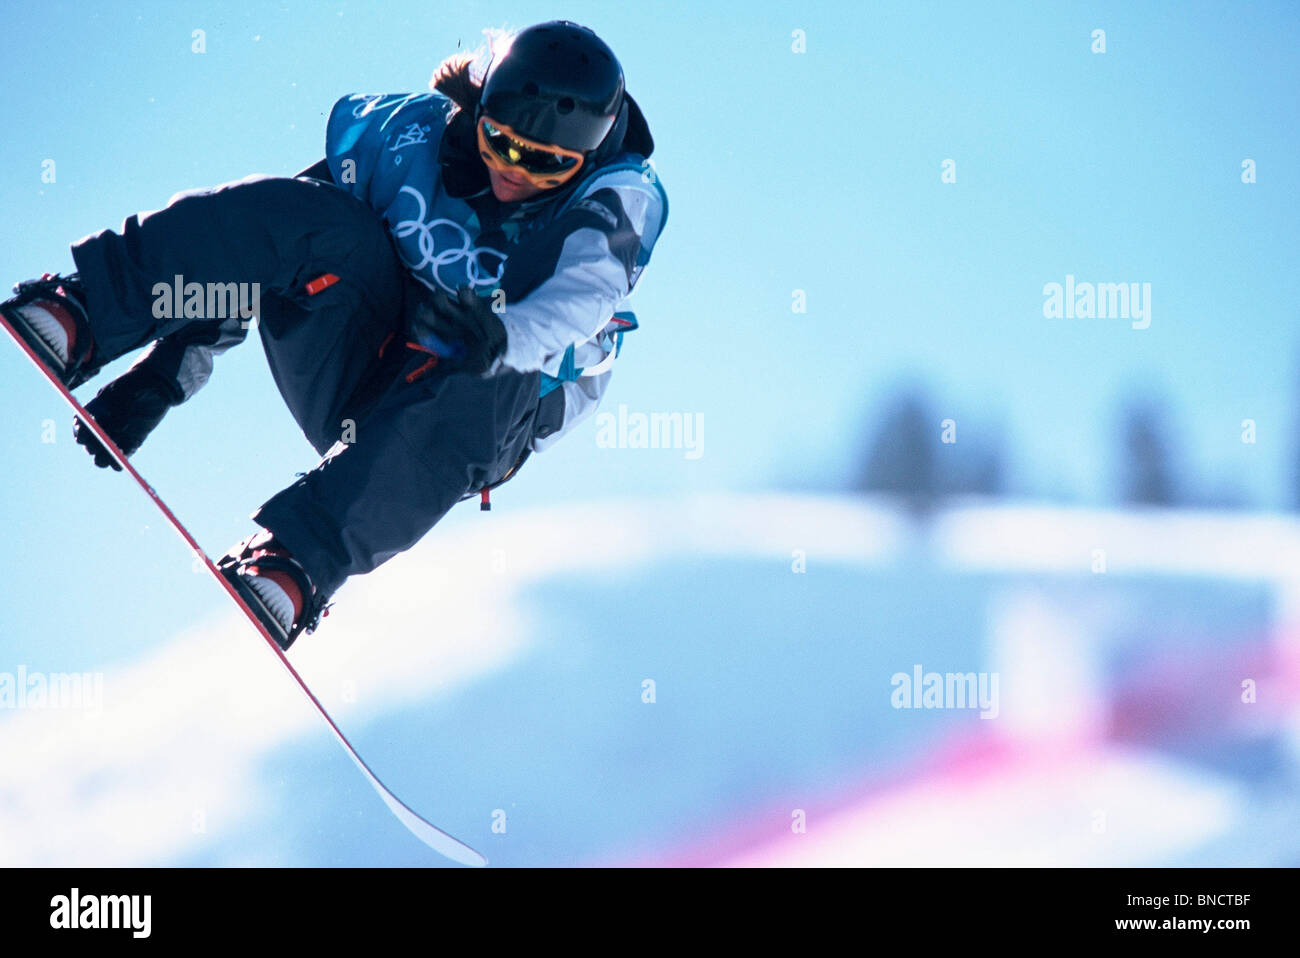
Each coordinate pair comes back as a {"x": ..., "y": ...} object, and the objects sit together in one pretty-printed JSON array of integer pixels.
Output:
[
  {"x": 235, "y": 567},
  {"x": 55, "y": 304}
]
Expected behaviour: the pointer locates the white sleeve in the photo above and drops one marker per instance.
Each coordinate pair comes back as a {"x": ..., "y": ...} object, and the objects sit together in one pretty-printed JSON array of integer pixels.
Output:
[
  {"x": 569, "y": 308},
  {"x": 605, "y": 241}
]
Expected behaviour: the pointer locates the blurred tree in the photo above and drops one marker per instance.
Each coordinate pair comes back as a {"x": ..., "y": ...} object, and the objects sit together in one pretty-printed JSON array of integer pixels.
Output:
[
  {"x": 908, "y": 459},
  {"x": 901, "y": 460},
  {"x": 1146, "y": 476},
  {"x": 988, "y": 478},
  {"x": 1295, "y": 476}
]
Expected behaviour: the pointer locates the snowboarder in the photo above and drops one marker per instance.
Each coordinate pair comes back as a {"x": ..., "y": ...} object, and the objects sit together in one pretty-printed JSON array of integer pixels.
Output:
[{"x": 440, "y": 296}]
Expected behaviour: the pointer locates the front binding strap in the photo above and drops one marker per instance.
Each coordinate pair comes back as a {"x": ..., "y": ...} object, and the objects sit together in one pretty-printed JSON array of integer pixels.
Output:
[{"x": 234, "y": 568}]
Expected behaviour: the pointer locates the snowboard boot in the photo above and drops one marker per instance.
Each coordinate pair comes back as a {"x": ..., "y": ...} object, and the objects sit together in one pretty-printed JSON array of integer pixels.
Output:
[
  {"x": 50, "y": 315},
  {"x": 275, "y": 586}
]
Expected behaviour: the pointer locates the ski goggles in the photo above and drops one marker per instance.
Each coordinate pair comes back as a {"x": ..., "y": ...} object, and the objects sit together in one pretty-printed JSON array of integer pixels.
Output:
[{"x": 541, "y": 165}]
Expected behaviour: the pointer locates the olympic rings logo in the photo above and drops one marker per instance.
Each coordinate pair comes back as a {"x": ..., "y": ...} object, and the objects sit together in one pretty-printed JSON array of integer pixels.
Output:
[{"x": 460, "y": 247}]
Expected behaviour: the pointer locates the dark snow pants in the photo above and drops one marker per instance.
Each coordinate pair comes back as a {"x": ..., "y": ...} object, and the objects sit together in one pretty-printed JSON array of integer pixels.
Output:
[{"x": 402, "y": 441}]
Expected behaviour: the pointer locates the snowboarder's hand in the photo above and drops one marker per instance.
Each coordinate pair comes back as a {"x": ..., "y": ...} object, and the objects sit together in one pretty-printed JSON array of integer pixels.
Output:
[
  {"x": 128, "y": 409},
  {"x": 469, "y": 319}
]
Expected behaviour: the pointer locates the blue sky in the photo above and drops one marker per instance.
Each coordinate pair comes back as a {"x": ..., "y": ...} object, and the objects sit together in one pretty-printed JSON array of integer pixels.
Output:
[{"x": 817, "y": 171}]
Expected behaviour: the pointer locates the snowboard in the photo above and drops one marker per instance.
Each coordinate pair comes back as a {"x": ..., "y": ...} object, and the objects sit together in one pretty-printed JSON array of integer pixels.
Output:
[{"x": 432, "y": 836}]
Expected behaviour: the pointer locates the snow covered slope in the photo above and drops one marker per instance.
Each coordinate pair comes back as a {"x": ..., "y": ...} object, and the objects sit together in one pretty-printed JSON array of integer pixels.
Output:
[{"x": 494, "y": 677}]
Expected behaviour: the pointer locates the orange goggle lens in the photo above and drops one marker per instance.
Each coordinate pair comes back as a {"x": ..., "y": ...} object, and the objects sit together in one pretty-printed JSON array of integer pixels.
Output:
[{"x": 542, "y": 165}]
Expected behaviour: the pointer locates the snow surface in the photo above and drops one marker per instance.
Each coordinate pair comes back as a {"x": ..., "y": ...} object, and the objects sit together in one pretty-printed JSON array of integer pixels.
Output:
[{"x": 493, "y": 675}]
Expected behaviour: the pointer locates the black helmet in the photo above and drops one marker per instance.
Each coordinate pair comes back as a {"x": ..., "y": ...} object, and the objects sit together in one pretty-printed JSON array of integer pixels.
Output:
[{"x": 556, "y": 83}]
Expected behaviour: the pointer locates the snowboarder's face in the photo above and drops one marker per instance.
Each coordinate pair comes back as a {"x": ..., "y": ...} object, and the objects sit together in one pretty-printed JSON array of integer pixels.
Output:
[
  {"x": 509, "y": 189},
  {"x": 520, "y": 168}
]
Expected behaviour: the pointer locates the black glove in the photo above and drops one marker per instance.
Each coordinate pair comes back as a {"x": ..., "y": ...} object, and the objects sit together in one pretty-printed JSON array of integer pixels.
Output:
[
  {"x": 127, "y": 409},
  {"x": 468, "y": 319}
]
